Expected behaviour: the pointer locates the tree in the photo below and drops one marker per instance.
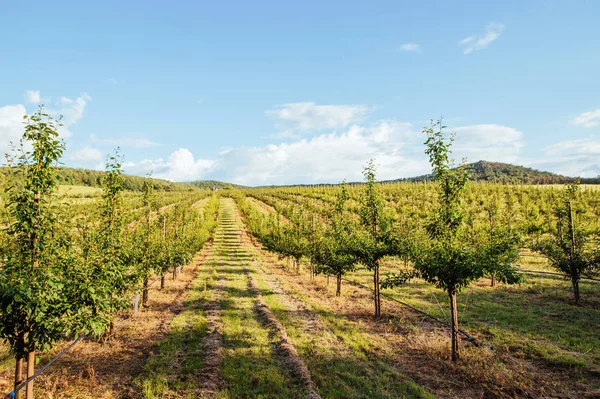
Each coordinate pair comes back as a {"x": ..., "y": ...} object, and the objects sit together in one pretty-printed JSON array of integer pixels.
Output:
[
  {"x": 147, "y": 255},
  {"x": 451, "y": 258},
  {"x": 334, "y": 252},
  {"x": 38, "y": 298},
  {"x": 105, "y": 267},
  {"x": 566, "y": 249},
  {"x": 373, "y": 240},
  {"x": 501, "y": 249}
]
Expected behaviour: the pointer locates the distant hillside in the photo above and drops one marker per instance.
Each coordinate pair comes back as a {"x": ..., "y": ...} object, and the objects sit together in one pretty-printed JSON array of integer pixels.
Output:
[
  {"x": 505, "y": 173},
  {"x": 213, "y": 184},
  {"x": 93, "y": 178}
]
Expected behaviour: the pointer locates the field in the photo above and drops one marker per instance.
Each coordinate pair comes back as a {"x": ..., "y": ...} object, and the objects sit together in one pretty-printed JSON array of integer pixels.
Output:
[{"x": 242, "y": 321}]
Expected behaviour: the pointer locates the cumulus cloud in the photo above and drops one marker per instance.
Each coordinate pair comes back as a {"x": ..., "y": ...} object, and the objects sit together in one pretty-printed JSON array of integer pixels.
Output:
[
  {"x": 33, "y": 97},
  {"x": 308, "y": 116},
  {"x": 578, "y": 157},
  {"x": 85, "y": 154},
  {"x": 180, "y": 166},
  {"x": 11, "y": 116},
  {"x": 70, "y": 110},
  {"x": 333, "y": 156},
  {"x": 492, "y": 31},
  {"x": 410, "y": 47},
  {"x": 587, "y": 119},
  {"x": 488, "y": 142}
]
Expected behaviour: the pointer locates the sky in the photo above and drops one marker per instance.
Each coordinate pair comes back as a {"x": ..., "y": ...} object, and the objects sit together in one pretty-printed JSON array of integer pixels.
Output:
[{"x": 276, "y": 92}]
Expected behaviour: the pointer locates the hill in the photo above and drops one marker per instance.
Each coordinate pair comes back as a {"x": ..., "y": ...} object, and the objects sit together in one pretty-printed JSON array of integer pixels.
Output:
[{"x": 505, "y": 173}]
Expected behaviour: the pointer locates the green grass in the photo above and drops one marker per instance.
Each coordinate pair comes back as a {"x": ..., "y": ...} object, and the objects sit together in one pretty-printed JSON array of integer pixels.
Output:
[
  {"x": 79, "y": 191},
  {"x": 248, "y": 367},
  {"x": 174, "y": 367},
  {"x": 537, "y": 318},
  {"x": 337, "y": 356}
]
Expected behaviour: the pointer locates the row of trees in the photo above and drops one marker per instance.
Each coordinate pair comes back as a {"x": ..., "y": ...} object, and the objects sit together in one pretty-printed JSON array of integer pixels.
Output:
[
  {"x": 447, "y": 249},
  {"x": 61, "y": 278}
]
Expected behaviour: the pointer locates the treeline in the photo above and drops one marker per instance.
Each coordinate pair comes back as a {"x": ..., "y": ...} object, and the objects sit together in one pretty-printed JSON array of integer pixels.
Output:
[
  {"x": 214, "y": 184},
  {"x": 94, "y": 178}
]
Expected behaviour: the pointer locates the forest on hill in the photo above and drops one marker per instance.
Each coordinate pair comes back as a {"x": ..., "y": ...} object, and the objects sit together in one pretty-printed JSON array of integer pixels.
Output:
[
  {"x": 505, "y": 173},
  {"x": 93, "y": 178}
]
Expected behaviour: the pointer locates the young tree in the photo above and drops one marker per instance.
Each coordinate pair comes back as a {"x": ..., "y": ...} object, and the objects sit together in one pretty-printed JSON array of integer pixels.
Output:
[
  {"x": 38, "y": 300},
  {"x": 147, "y": 255},
  {"x": 501, "y": 249},
  {"x": 373, "y": 240},
  {"x": 335, "y": 250},
  {"x": 451, "y": 259},
  {"x": 566, "y": 250}
]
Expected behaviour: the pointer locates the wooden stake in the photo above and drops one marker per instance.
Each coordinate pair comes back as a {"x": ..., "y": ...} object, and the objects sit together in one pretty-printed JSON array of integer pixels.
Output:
[
  {"x": 136, "y": 302},
  {"x": 30, "y": 372}
]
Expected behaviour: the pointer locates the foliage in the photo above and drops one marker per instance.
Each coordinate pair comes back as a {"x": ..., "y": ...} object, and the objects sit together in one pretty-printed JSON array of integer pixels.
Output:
[
  {"x": 567, "y": 248},
  {"x": 38, "y": 281}
]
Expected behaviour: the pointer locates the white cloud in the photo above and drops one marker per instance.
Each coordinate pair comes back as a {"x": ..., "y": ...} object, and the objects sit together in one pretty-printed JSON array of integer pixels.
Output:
[
  {"x": 478, "y": 42},
  {"x": 11, "y": 125},
  {"x": 308, "y": 116},
  {"x": 84, "y": 154},
  {"x": 70, "y": 110},
  {"x": 328, "y": 157},
  {"x": 411, "y": 47},
  {"x": 180, "y": 166},
  {"x": 11, "y": 116},
  {"x": 331, "y": 157},
  {"x": 587, "y": 119},
  {"x": 578, "y": 157},
  {"x": 488, "y": 142},
  {"x": 33, "y": 97}
]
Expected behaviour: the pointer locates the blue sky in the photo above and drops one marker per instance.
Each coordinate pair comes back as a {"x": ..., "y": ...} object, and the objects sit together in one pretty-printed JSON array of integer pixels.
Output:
[{"x": 280, "y": 92}]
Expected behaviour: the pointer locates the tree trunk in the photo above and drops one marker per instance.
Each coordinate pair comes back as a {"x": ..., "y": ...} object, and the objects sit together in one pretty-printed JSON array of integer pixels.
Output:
[
  {"x": 377, "y": 293},
  {"x": 162, "y": 281},
  {"x": 575, "y": 282},
  {"x": 298, "y": 265},
  {"x": 30, "y": 372},
  {"x": 454, "y": 313},
  {"x": 574, "y": 271},
  {"x": 145, "y": 293},
  {"x": 338, "y": 290},
  {"x": 18, "y": 375},
  {"x": 493, "y": 276},
  {"x": 174, "y": 273}
]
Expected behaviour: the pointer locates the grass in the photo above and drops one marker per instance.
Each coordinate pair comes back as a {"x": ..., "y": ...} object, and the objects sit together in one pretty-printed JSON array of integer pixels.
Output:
[
  {"x": 248, "y": 367},
  {"x": 79, "y": 191},
  {"x": 543, "y": 343},
  {"x": 335, "y": 355},
  {"x": 174, "y": 366}
]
